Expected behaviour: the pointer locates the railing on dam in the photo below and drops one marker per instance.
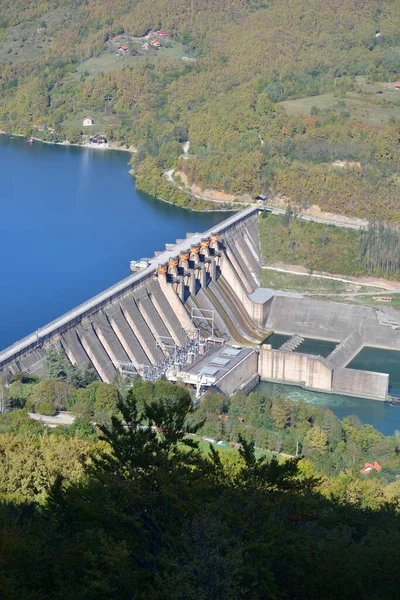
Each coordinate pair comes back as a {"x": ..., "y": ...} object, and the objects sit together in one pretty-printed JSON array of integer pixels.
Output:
[{"x": 117, "y": 290}]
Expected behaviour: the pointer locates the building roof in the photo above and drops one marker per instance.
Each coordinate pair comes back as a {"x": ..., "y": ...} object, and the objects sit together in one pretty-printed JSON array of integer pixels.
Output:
[
  {"x": 90, "y": 118},
  {"x": 123, "y": 48},
  {"x": 368, "y": 467}
]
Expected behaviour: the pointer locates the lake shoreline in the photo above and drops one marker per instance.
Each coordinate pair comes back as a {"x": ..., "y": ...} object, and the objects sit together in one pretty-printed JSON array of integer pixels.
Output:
[
  {"x": 108, "y": 146},
  {"x": 74, "y": 221},
  {"x": 131, "y": 150}
]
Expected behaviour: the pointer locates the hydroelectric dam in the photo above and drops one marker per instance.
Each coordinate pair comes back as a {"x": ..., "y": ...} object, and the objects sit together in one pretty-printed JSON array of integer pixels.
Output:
[{"x": 197, "y": 314}]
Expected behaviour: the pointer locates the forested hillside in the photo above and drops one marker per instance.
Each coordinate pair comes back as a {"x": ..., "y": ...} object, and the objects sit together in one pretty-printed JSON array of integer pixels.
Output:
[
  {"x": 150, "y": 511},
  {"x": 59, "y": 62}
]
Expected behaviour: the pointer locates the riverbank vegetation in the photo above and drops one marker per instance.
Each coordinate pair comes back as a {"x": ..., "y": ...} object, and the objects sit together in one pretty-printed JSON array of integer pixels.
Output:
[
  {"x": 231, "y": 101},
  {"x": 287, "y": 240},
  {"x": 142, "y": 512}
]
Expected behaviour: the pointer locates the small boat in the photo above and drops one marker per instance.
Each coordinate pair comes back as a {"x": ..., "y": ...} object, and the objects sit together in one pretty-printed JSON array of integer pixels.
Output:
[{"x": 30, "y": 140}]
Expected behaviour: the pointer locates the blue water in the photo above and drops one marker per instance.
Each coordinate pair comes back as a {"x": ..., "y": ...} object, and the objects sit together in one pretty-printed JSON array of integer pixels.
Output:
[
  {"x": 316, "y": 347},
  {"x": 380, "y": 415},
  {"x": 70, "y": 222},
  {"x": 308, "y": 346}
]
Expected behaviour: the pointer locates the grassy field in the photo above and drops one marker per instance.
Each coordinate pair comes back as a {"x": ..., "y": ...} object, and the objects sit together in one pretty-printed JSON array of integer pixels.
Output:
[
  {"x": 110, "y": 60},
  {"x": 373, "y": 103},
  {"x": 309, "y": 284},
  {"x": 29, "y": 41},
  {"x": 99, "y": 122},
  {"x": 313, "y": 245}
]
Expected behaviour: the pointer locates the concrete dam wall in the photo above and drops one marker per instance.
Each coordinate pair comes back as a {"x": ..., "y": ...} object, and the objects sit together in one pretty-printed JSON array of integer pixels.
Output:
[
  {"x": 139, "y": 320},
  {"x": 208, "y": 286}
]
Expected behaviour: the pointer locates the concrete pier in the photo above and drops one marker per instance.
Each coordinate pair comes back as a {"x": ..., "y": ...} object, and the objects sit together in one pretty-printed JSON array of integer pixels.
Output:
[
  {"x": 141, "y": 330},
  {"x": 128, "y": 339},
  {"x": 95, "y": 351},
  {"x": 73, "y": 348},
  {"x": 109, "y": 340}
]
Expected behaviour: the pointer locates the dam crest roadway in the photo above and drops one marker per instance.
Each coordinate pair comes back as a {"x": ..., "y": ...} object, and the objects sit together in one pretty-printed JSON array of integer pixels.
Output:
[{"x": 197, "y": 313}]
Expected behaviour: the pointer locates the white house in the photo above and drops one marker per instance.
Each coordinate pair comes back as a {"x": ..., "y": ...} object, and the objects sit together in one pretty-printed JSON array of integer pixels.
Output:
[{"x": 88, "y": 121}]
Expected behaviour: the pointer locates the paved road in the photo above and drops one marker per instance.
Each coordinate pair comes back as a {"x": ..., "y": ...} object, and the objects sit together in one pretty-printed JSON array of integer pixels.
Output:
[
  {"x": 168, "y": 174},
  {"x": 63, "y": 418},
  {"x": 348, "y": 223}
]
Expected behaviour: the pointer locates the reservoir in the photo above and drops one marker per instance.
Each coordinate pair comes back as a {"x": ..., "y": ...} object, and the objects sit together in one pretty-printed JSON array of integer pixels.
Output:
[{"x": 71, "y": 221}]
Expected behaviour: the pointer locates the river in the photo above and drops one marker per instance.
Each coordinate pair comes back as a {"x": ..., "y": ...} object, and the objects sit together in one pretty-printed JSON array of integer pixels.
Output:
[
  {"x": 71, "y": 221},
  {"x": 381, "y": 415}
]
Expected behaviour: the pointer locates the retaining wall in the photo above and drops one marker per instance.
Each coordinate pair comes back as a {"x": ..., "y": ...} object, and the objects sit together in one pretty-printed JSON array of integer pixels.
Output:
[
  {"x": 364, "y": 384},
  {"x": 302, "y": 369}
]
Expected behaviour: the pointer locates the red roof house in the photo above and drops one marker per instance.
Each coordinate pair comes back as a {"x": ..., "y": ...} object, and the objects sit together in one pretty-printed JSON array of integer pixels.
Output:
[
  {"x": 163, "y": 33},
  {"x": 397, "y": 85},
  {"x": 368, "y": 467}
]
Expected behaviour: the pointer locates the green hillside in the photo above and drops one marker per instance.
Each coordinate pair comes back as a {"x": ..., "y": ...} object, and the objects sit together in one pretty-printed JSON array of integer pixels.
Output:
[
  {"x": 137, "y": 508},
  {"x": 274, "y": 93}
]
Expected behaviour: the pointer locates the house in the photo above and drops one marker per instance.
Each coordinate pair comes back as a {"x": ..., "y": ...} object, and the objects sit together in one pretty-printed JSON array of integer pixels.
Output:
[
  {"x": 88, "y": 121},
  {"x": 155, "y": 43},
  {"x": 261, "y": 197},
  {"x": 98, "y": 139},
  {"x": 383, "y": 298},
  {"x": 368, "y": 467},
  {"x": 123, "y": 50},
  {"x": 163, "y": 33},
  {"x": 397, "y": 85}
]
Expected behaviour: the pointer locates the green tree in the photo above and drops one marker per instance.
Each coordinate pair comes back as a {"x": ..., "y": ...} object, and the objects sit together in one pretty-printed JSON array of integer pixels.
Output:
[
  {"x": 107, "y": 397},
  {"x": 316, "y": 439},
  {"x": 43, "y": 397}
]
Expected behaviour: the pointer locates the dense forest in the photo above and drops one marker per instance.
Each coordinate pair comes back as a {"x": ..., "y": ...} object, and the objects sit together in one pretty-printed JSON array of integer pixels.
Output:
[
  {"x": 286, "y": 239},
  {"x": 58, "y": 63},
  {"x": 138, "y": 506}
]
